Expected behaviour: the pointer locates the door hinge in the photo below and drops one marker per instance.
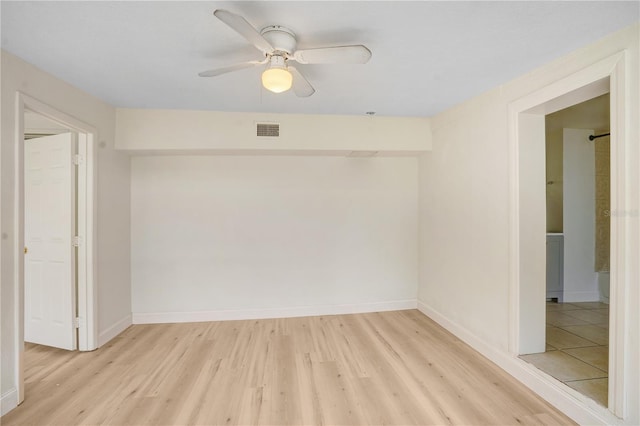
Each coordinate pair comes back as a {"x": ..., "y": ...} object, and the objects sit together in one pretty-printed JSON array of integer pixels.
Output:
[
  {"x": 80, "y": 322},
  {"x": 77, "y": 159},
  {"x": 77, "y": 241}
]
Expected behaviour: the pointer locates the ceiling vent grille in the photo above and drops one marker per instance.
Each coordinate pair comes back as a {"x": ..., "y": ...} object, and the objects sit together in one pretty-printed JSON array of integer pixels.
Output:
[{"x": 270, "y": 130}]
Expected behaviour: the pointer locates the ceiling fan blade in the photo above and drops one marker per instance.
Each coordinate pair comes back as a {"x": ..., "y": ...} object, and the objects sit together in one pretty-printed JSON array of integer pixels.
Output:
[
  {"x": 301, "y": 85},
  {"x": 242, "y": 27},
  {"x": 224, "y": 70},
  {"x": 355, "y": 54}
]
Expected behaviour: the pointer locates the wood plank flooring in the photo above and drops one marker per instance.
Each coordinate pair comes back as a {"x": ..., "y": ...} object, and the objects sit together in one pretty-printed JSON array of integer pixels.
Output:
[{"x": 386, "y": 368}]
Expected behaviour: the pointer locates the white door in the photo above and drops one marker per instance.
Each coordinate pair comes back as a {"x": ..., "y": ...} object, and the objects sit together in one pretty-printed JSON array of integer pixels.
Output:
[{"x": 49, "y": 260}]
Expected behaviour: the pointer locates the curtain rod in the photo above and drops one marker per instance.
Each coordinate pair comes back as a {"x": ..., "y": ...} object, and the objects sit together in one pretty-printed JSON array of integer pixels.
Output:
[{"x": 592, "y": 137}]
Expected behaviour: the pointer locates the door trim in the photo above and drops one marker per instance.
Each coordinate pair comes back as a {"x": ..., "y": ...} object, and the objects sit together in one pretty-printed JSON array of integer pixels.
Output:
[
  {"x": 609, "y": 74},
  {"x": 86, "y": 219}
]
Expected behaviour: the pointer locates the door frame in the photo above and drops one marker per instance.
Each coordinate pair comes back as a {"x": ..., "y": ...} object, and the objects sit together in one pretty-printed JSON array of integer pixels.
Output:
[
  {"x": 86, "y": 221},
  {"x": 527, "y": 214}
]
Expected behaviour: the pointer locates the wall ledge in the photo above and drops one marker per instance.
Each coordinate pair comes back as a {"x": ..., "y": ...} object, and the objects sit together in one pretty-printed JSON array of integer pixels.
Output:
[{"x": 153, "y": 130}]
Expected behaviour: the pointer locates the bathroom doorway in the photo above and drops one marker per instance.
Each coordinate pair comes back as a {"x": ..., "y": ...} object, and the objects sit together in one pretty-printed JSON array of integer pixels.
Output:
[
  {"x": 528, "y": 229},
  {"x": 577, "y": 285}
]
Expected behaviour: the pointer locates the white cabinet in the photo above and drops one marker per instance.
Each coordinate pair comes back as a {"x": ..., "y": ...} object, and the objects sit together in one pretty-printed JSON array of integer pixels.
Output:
[{"x": 555, "y": 266}]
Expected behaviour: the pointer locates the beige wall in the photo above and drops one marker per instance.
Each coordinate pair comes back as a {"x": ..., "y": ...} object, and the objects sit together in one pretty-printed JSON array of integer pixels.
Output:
[
  {"x": 113, "y": 278},
  {"x": 465, "y": 199}
]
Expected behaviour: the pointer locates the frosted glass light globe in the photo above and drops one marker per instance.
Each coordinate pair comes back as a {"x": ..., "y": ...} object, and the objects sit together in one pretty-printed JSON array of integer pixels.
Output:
[{"x": 277, "y": 80}]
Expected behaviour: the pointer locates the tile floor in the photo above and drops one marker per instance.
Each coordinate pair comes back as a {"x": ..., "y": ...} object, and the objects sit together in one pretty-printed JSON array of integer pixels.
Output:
[{"x": 577, "y": 350}]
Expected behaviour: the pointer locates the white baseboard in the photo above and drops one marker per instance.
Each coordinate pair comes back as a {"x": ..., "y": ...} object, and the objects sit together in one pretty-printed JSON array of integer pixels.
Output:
[
  {"x": 581, "y": 296},
  {"x": 575, "y": 405},
  {"x": 8, "y": 401},
  {"x": 245, "y": 314},
  {"x": 111, "y": 332}
]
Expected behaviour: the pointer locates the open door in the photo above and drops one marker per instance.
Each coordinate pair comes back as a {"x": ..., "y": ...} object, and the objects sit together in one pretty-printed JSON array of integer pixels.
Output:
[{"x": 49, "y": 268}]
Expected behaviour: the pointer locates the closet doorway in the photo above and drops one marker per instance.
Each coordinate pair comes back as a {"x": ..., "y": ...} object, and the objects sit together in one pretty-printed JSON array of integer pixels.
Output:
[{"x": 81, "y": 312}]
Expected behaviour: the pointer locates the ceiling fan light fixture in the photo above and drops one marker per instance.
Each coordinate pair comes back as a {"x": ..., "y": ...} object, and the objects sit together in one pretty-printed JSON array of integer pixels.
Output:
[
  {"x": 278, "y": 45},
  {"x": 277, "y": 78}
]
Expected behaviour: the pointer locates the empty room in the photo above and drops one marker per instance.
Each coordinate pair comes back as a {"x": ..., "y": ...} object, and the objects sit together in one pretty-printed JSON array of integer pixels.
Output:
[{"x": 320, "y": 212}]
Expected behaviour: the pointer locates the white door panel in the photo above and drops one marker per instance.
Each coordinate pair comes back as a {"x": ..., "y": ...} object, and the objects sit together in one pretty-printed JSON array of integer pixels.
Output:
[{"x": 49, "y": 194}]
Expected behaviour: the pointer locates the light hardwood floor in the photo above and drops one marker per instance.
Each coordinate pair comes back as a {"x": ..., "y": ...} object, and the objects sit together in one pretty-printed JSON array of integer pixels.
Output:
[{"x": 380, "y": 368}]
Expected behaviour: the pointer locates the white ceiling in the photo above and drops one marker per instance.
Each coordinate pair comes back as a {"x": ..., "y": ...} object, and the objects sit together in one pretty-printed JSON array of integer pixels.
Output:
[{"x": 427, "y": 56}]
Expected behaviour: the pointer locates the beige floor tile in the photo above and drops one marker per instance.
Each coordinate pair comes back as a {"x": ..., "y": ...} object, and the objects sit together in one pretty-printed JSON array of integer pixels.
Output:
[
  {"x": 563, "y": 366},
  {"x": 561, "y": 307},
  {"x": 596, "y": 389},
  {"x": 590, "y": 305},
  {"x": 598, "y": 356},
  {"x": 592, "y": 316},
  {"x": 548, "y": 348},
  {"x": 590, "y": 332},
  {"x": 562, "y": 339},
  {"x": 560, "y": 319}
]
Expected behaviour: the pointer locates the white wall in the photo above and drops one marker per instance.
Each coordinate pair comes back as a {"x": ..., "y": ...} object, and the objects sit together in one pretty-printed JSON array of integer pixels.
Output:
[
  {"x": 592, "y": 114},
  {"x": 113, "y": 276},
  {"x": 579, "y": 216},
  {"x": 555, "y": 183},
  {"x": 219, "y": 237},
  {"x": 464, "y": 209}
]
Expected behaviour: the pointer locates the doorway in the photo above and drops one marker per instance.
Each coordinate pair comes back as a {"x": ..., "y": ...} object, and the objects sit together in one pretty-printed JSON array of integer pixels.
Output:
[
  {"x": 577, "y": 195},
  {"x": 86, "y": 300},
  {"x": 528, "y": 222}
]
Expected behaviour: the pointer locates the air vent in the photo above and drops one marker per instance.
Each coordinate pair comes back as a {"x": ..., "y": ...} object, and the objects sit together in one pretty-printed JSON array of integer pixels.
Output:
[{"x": 270, "y": 130}]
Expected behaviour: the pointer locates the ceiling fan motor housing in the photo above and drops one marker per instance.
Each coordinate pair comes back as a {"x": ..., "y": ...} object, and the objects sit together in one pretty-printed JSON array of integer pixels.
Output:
[{"x": 282, "y": 39}]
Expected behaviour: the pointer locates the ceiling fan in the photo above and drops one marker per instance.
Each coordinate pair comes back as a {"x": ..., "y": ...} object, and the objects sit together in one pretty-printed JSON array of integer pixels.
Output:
[{"x": 278, "y": 44}]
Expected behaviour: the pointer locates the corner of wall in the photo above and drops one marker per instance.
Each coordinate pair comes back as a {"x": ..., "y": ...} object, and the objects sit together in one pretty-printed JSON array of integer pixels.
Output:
[{"x": 114, "y": 330}]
